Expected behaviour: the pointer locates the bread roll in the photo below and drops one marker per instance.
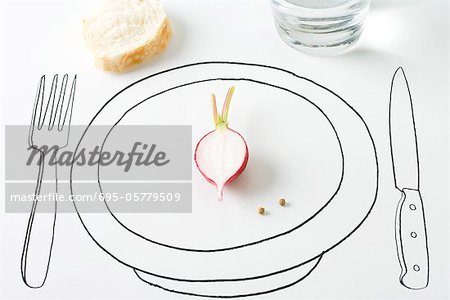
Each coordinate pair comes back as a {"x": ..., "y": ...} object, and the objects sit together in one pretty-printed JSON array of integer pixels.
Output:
[{"x": 126, "y": 32}]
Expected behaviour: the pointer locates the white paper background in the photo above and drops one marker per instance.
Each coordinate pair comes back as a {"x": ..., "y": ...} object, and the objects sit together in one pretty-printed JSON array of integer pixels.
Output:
[{"x": 40, "y": 37}]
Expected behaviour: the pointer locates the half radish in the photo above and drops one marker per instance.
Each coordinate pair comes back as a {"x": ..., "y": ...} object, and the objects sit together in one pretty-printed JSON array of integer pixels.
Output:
[{"x": 222, "y": 154}]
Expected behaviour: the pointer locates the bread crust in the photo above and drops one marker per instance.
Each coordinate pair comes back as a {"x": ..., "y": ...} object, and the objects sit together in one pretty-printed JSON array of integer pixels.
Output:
[{"x": 129, "y": 59}]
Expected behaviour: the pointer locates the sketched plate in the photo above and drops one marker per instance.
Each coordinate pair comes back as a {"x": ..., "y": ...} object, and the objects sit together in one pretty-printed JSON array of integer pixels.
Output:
[{"x": 306, "y": 144}]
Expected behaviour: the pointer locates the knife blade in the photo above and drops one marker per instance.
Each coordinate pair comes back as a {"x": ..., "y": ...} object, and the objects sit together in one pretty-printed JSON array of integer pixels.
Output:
[{"x": 410, "y": 225}]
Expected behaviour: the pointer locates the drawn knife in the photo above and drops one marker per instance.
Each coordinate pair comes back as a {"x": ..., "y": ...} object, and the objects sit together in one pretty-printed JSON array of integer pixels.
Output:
[{"x": 410, "y": 225}]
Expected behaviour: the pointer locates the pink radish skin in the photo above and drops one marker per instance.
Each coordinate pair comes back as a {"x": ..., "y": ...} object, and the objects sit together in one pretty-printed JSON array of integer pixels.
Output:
[{"x": 222, "y": 154}]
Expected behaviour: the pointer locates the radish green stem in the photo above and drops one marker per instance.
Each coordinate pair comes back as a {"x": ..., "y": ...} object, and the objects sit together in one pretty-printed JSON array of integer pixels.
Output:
[
  {"x": 222, "y": 120},
  {"x": 214, "y": 108},
  {"x": 226, "y": 105}
]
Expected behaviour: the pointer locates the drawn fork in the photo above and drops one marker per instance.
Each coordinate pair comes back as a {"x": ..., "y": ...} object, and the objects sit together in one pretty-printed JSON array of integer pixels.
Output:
[{"x": 48, "y": 133}]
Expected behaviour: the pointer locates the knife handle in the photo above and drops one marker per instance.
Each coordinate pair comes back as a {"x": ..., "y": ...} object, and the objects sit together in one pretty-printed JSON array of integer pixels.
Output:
[{"x": 411, "y": 238}]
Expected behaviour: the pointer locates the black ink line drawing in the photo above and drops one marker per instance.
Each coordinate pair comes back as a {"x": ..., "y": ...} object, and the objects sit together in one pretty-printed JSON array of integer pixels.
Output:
[
  {"x": 410, "y": 226},
  {"x": 140, "y": 272},
  {"x": 50, "y": 127},
  {"x": 315, "y": 264}
]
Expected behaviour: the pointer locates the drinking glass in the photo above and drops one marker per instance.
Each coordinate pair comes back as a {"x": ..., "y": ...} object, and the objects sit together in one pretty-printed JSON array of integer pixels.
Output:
[{"x": 321, "y": 27}]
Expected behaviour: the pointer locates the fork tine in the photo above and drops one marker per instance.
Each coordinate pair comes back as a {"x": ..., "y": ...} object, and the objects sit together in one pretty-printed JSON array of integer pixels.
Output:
[
  {"x": 59, "y": 105},
  {"x": 37, "y": 108},
  {"x": 51, "y": 98},
  {"x": 38, "y": 101},
  {"x": 68, "y": 112}
]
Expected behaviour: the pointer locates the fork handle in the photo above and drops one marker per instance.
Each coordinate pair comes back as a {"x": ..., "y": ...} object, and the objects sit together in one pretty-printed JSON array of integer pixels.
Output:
[{"x": 39, "y": 236}]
